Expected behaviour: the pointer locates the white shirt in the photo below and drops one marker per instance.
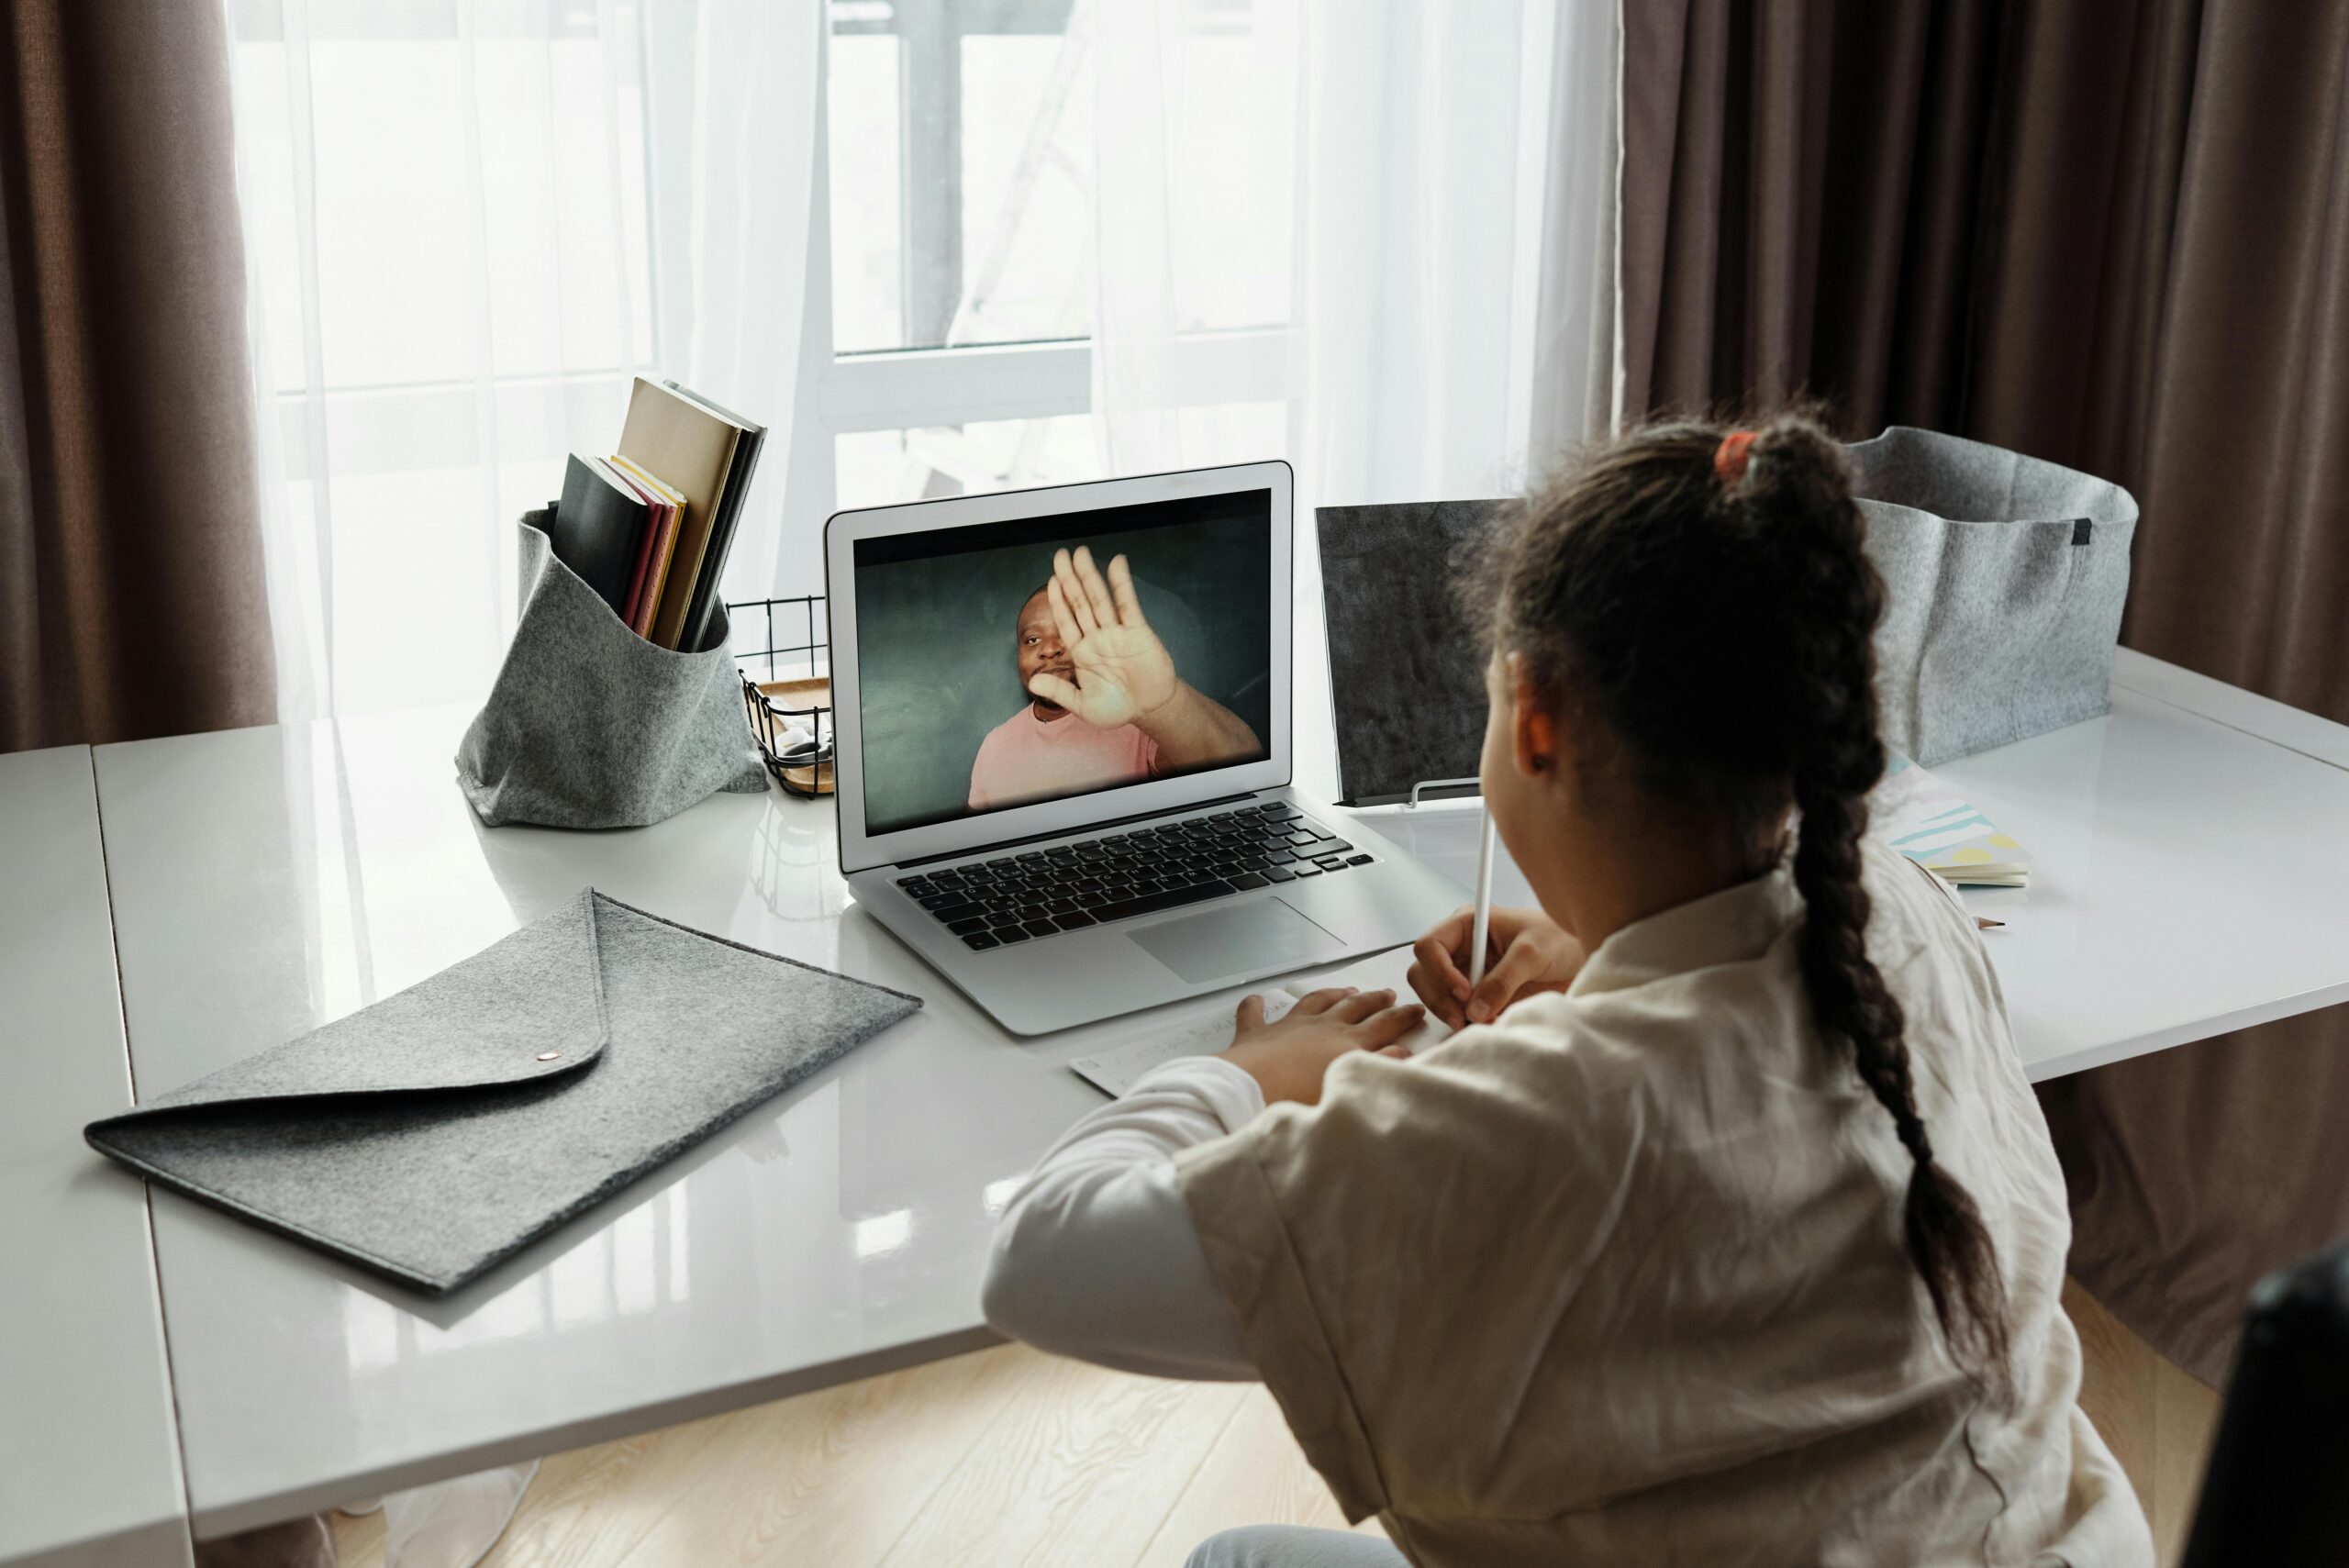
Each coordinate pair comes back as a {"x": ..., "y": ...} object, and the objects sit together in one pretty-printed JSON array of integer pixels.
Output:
[
  {"x": 1653, "y": 1277},
  {"x": 1097, "y": 1257}
]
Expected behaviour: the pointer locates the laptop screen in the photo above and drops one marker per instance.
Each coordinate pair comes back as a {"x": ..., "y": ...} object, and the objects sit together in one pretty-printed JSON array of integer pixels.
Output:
[{"x": 981, "y": 687}]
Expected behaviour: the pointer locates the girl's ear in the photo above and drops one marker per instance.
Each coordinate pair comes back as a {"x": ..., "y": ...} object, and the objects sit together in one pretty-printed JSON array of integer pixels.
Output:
[{"x": 1533, "y": 733}]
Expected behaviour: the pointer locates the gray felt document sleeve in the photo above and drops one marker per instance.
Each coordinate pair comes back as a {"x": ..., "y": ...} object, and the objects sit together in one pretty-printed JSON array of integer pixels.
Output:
[{"x": 443, "y": 1130}]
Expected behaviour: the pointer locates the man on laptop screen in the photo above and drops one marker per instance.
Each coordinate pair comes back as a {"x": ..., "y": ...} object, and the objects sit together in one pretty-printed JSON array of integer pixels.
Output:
[
  {"x": 1141, "y": 653},
  {"x": 1107, "y": 705}
]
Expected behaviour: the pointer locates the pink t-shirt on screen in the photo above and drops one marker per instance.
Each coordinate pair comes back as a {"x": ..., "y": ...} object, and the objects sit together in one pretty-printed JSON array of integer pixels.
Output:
[{"x": 1025, "y": 759}]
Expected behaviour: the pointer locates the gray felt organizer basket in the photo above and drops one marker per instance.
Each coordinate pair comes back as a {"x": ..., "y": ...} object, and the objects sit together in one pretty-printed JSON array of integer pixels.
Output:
[
  {"x": 2005, "y": 578},
  {"x": 589, "y": 725}
]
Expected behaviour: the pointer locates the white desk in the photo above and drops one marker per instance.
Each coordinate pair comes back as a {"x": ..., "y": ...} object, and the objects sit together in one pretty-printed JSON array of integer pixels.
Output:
[
  {"x": 266, "y": 879},
  {"x": 2192, "y": 868},
  {"x": 89, "y": 1459}
]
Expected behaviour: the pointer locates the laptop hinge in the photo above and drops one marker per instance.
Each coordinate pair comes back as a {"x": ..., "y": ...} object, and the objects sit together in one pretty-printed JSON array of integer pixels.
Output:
[{"x": 1088, "y": 829}]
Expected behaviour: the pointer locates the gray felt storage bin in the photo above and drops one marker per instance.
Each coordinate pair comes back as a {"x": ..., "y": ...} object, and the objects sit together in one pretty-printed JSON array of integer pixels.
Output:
[
  {"x": 589, "y": 725},
  {"x": 2006, "y": 578}
]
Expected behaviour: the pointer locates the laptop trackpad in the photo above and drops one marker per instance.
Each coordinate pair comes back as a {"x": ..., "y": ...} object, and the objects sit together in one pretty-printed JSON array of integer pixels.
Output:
[{"x": 1249, "y": 939}]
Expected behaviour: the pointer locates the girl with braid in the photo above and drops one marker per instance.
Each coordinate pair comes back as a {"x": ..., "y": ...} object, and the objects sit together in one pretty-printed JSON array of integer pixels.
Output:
[{"x": 1725, "y": 1229}]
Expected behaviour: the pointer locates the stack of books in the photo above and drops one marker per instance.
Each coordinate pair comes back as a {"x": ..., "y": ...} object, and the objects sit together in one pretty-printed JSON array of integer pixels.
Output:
[
  {"x": 1942, "y": 831},
  {"x": 649, "y": 526}
]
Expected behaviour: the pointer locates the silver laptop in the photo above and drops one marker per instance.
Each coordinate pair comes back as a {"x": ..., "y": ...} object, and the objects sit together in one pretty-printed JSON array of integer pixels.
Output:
[{"x": 1063, "y": 758}]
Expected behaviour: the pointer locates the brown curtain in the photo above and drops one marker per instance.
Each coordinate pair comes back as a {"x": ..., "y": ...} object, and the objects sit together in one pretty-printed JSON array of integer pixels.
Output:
[
  {"x": 2111, "y": 233},
  {"x": 131, "y": 597}
]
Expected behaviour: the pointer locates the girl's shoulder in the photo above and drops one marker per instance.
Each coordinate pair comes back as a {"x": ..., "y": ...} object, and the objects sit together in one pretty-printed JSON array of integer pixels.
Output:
[
  {"x": 1585, "y": 1055},
  {"x": 1912, "y": 910},
  {"x": 1552, "y": 1031}
]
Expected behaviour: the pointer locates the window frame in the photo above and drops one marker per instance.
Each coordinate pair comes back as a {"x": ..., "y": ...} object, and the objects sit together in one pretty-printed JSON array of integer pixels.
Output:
[{"x": 895, "y": 389}]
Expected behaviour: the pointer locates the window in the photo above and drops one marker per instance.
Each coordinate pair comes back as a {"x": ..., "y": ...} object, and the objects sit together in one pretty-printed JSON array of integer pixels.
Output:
[
  {"x": 446, "y": 227},
  {"x": 959, "y": 165},
  {"x": 962, "y": 177},
  {"x": 956, "y": 283},
  {"x": 464, "y": 238}
]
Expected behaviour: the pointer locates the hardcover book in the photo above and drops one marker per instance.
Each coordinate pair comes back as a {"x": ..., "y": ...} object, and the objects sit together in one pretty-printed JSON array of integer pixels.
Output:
[
  {"x": 598, "y": 528},
  {"x": 693, "y": 449}
]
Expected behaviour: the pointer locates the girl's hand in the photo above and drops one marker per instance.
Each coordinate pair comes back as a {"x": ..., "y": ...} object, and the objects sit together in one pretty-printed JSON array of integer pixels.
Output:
[
  {"x": 1526, "y": 953},
  {"x": 1290, "y": 1058}
]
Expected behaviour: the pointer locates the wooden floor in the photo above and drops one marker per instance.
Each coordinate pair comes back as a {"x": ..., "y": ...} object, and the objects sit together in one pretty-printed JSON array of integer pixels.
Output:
[
  {"x": 2158, "y": 1420},
  {"x": 1009, "y": 1457}
]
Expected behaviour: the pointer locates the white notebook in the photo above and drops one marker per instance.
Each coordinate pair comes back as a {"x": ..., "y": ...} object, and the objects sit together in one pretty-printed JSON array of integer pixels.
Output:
[
  {"x": 1116, "y": 1069},
  {"x": 1927, "y": 821}
]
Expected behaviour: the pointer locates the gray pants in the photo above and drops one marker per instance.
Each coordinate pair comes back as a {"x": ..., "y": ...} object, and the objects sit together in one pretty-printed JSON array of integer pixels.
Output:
[{"x": 1293, "y": 1546}]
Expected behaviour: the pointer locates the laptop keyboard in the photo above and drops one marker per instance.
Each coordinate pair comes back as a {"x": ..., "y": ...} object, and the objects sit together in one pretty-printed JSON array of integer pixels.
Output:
[{"x": 1042, "y": 892}]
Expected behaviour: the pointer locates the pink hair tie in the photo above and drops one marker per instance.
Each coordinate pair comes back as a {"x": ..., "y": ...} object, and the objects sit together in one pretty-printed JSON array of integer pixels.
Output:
[{"x": 1729, "y": 458}]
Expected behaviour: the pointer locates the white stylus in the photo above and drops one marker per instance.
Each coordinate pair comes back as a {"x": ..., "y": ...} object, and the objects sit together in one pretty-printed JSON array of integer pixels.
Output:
[{"x": 1478, "y": 938}]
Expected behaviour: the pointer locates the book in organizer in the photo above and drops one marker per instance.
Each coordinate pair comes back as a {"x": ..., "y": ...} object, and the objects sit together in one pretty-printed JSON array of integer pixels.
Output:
[
  {"x": 657, "y": 510},
  {"x": 692, "y": 449},
  {"x": 659, "y": 549},
  {"x": 649, "y": 528},
  {"x": 734, "y": 496},
  {"x": 595, "y": 526}
]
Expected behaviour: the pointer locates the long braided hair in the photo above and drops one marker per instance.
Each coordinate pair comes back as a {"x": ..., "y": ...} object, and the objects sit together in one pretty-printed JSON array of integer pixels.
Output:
[{"x": 1711, "y": 607}]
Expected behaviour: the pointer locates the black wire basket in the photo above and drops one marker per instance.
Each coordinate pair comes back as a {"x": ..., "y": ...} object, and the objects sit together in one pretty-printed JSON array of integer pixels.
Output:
[{"x": 795, "y": 693}]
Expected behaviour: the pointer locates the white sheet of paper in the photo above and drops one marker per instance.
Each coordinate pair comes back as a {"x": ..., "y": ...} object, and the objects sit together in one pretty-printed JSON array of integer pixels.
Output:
[
  {"x": 1389, "y": 971},
  {"x": 1115, "y": 1071},
  {"x": 1118, "y": 1070}
]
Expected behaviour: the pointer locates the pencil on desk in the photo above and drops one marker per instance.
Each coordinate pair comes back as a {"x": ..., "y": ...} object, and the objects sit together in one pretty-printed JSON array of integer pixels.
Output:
[{"x": 1982, "y": 925}]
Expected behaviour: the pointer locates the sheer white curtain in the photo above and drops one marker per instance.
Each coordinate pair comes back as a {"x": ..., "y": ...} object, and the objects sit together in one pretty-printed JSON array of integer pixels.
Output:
[
  {"x": 469, "y": 225},
  {"x": 1387, "y": 218}
]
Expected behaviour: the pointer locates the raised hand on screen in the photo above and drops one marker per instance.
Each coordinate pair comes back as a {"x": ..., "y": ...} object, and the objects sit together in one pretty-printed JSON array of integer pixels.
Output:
[{"x": 1119, "y": 671}]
